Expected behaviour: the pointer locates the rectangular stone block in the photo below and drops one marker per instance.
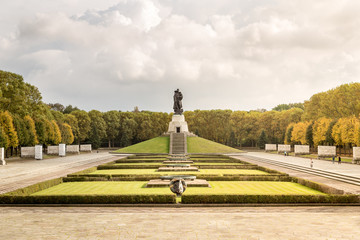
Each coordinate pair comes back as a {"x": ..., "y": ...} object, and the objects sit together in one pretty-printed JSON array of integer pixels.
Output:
[
  {"x": 85, "y": 148},
  {"x": 27, "y": 152},
  {"x": 53, "y": 150},
  {"x": 284, "y": 148},
  {"x": 72, "y": 149},
  {"x": 62, "y": 150},
  {"x": 302, "y": 149},
  {"x": 270, "y": 147},
  {"x": 38, "y": 152},
  {"x": 2, "y": 156},
  {"x": 326, "y": 151}
]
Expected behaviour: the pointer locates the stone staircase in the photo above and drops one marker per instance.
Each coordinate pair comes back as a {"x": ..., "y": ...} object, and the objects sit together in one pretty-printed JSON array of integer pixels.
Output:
[{"x": 178, "y": 143}]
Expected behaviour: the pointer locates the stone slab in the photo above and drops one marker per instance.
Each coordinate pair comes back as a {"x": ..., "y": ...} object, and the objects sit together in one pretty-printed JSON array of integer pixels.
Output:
[
  {"x": 85, "y": 148},
  {"x": 326, "y": 151},
  {"x": 72, "y": 149},
  {"x": 2, "y": 156},
  {"x": 178, "y": 169},
  {"x": 53, "y": 150},
  {"x": 270, "y": 147},
  {"x": 62, "y": 150},
  {"x": 27, "y": 152},
  {"x": 302, "y": 149},
  {"x": 38, "y": 152},
  {"x": 284, "y": 148},
  {"x": 166, "y": 183},
  {"x": 356, "y": 155}
]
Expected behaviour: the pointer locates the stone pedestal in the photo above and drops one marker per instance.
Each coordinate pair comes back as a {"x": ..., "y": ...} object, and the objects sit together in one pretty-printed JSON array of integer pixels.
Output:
[
  {"x": 38, "y": 152},
  {"x": 2, "y": 156},
  {"x": 62, "y": 150},
  {"x": 178, "y": 124}
]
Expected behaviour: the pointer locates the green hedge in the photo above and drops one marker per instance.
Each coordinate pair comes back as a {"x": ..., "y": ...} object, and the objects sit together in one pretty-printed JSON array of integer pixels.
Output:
[
  {"x": 317, "y": 186},
  {"x": 139, "y": 161},
  {"x": 89, "y": 170},
  {"x": 35, "y": 188},
  {"x": 247, "y": 166},
  {"x": 102, "y": 167},
  {"x": 218, "y": 199},
  {"x": 88, "y": 199}
]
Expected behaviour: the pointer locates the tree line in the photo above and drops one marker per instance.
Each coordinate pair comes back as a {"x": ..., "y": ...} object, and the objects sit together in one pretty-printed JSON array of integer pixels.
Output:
[
  {"x": 327, "y": 118},
  {"x": 26, "y": 121}
]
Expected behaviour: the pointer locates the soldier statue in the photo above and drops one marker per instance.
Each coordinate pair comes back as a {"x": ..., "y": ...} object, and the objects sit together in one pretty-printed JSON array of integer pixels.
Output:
[{"x": 177, "y": 102}]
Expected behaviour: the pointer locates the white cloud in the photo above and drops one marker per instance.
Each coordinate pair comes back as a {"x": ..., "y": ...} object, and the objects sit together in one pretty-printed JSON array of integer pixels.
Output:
[{"x": 228, "y": 54}]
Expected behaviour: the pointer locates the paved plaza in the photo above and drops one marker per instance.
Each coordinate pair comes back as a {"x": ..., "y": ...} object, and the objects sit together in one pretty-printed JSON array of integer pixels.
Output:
[
  {"x": 331, "y": 222},
  {"x": 181, "y": 223}
]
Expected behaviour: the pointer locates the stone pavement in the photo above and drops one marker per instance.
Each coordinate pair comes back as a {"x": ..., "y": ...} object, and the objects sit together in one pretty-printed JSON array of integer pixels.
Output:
[
  {"x": 268, "y": 223},
  {"x": 19, "y": 174},
  {"x": 346, "y": 169}
]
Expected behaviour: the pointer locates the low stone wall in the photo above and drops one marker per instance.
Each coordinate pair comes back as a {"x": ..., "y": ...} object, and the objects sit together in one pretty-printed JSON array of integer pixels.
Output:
[
  {"x": 53, "y": 150},
  {"x": 85, "y": 148},
  {"x": 326, "y": 151},
  {"x": 38, "y": 152},
  {"x": 72, "y": 149},
  {"x": 270, "y": 147},
  {"x": 302, "y": 149},
  {"x": 356, "y": 155},
  {"x": 284, "y": 148},
  {"x": 2, "y": 156},
  {"x": 27, "y": 152}
]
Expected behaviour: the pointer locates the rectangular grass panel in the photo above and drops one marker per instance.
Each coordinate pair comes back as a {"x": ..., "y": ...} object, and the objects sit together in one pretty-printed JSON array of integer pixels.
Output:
[
  {"x": 253, "y": 188},
  {"x": 102, "y": 188}
]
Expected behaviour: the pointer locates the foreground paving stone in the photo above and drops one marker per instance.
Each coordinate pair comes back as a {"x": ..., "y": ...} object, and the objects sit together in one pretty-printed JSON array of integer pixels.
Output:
[{"x": 196, "y": 223}]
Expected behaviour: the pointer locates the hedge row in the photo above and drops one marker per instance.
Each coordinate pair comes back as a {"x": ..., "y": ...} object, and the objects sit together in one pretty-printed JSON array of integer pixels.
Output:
[
  {"x": 139, "y": 161},
  {"x": 88, "y": 178},
  {"x": 247, "y": 166},
  {"x": 218, "y": 161},
  {"x": 35, "y": 188},
  {"x": 86, "y": 171},
  {"x": 147, "y": 156},
  {"x": 88, "y": 199},
  {"x": 102, "y": 167},
  {"x": 207, "y": 199},
  {"x": 317, "y": 186}
]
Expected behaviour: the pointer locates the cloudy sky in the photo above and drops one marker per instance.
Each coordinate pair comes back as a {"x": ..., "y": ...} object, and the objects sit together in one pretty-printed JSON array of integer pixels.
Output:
[{"x": 228, "y": 54}]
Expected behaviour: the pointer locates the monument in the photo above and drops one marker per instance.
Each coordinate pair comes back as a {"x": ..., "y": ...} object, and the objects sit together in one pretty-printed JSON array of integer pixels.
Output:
[{"x": 178, "y": 123}]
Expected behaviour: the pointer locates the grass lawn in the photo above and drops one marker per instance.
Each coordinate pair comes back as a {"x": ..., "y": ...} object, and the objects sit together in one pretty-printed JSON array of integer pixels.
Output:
[
  {"x": 201, "y": 145},
  {"x": 201, "y": 171},
  {"x": 220, "y": 188},
  {"x": 253, "y": 188},
  {"x": 102, "y": 188},
  {"x": 155, "y": 145}
]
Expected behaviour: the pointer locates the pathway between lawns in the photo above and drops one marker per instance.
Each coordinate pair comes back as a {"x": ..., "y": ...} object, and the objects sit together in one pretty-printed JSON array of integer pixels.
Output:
[
  {"x": 23, "y": 173},
  {"x": 343, "y": 168}
]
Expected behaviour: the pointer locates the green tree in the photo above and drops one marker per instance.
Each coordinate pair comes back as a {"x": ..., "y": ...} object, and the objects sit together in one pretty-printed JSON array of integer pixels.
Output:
[
  {"x": 112, "y": 120},
  {"x": 98, "y": 128},
  {"x": 6, "y": 122},
  {"x": 57, "y": 133},
  {"x": 31, "y": 130},
  {"x": 309, "y": 134},
  {"x": 262, "y": 140},
  {"x": 83, "y": 123},
  {"x": 4, "y": 141},
  {"x": 67, "y": 135}
]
